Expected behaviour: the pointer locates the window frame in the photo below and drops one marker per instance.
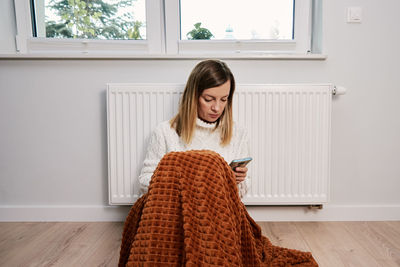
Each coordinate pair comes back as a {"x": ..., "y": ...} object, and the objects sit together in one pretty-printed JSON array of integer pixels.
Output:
[
  {"x": 154, "y": 44},
  {"x": 301, "y": 43},
  {"x": 163, "y": 40}
]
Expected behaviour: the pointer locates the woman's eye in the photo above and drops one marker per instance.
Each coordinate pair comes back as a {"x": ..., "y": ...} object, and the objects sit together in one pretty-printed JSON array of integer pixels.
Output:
[
  {"x": 224, "y": 100},
  {"x": 207, "y": 100}
]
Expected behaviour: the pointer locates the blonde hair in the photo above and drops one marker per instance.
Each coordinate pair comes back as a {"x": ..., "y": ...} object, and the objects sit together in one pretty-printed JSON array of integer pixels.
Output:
[{"x": 206, "y": 74}]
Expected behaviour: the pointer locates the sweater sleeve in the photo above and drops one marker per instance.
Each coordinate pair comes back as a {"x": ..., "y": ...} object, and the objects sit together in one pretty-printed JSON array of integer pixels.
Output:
[
  {"x": 243, "y": 152},
  {"x": 155, "y": 151}
]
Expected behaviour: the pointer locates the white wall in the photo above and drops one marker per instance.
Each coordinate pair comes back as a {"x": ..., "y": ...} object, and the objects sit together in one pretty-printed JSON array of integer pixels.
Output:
[
  {"x": 7, "y": 27},
  {"x": 53, "y": 149}
]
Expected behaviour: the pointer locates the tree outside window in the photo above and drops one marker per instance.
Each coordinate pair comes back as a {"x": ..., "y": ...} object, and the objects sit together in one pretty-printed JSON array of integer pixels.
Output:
[{"x": 93, "y": 19}]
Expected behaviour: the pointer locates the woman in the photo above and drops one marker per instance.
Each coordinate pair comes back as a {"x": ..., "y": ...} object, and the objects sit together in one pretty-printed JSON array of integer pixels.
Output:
[
  {"x": 204, "y": 121},
  {"x": 191, "y": 214}
]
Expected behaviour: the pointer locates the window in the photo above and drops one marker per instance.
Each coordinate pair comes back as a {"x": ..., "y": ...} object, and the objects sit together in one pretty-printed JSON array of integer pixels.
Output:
[
  {"x": 83, "y": 19},
  {"x": 244, "y": 20},
  {"x": 238, "y": 26},
  {"x": 95, "y": 27},
  {"x": 163, "y": 27}
]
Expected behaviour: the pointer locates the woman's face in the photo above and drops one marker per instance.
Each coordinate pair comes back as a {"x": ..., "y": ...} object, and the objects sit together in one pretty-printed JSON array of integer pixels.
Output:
[{"x": 212, "y": 102}]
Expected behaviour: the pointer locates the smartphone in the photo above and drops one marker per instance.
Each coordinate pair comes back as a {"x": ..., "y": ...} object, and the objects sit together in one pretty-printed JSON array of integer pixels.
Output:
[{"x": 240, "y": 162}]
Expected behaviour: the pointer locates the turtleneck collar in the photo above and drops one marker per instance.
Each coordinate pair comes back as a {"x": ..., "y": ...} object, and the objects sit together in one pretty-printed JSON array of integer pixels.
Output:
[{"x": 207, "y": 125}]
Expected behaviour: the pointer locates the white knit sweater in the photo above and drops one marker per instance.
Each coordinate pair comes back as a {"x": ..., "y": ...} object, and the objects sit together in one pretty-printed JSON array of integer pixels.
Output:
[{"x": 164, "y": 139}]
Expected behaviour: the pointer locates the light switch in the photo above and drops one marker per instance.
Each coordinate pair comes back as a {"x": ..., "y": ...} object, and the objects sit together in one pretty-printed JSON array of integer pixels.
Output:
[{"x": 354, "y": 15}]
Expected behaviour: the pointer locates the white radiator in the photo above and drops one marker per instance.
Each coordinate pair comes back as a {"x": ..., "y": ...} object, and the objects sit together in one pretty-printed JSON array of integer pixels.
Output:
[{"x": 289, "y": 127}]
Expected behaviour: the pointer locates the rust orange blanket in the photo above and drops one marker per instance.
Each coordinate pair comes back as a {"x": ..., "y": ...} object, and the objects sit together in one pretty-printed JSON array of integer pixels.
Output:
[{"x": 192, "y": 216}]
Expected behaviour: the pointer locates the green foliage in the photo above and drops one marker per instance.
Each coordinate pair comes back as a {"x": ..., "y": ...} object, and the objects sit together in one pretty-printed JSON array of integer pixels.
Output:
[
  {"x": 134, "y": 32},
  {"x": 54, "y": 29},
  {"x": 92, "y": 19},
  {"x": 199, "y": 33}
]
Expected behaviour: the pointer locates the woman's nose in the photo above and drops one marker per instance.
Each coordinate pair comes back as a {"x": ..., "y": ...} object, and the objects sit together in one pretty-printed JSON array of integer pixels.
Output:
[{"x": 215, "y": 107}]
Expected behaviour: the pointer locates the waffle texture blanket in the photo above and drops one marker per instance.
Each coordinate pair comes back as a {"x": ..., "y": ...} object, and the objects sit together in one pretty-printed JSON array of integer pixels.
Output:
[{"x": 192, "y": 216}]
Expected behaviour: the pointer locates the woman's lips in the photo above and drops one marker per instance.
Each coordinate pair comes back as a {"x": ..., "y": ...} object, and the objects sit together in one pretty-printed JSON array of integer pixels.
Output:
[{"x": 214, "y": 116}]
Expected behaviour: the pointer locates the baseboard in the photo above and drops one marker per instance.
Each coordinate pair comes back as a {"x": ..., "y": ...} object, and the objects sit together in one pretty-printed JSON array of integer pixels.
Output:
[
  {"x": 258, "y": 213},
  {"x": 327, "y": 213},
  {"x": 63, "y": 213}
]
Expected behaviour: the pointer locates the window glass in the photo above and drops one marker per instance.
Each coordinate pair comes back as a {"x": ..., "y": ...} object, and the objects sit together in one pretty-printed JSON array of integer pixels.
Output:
[
  {"x": 90, "y": 19},
  {"x": 236, "y": 19}
]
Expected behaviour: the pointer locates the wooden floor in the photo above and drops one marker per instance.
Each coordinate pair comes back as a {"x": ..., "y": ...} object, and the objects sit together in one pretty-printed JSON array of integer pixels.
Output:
[{"x": 97, "y": 244}]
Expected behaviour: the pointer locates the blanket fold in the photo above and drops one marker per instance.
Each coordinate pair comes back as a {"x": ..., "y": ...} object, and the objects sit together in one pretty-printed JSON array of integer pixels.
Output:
[{"x": 192, "y": 215}]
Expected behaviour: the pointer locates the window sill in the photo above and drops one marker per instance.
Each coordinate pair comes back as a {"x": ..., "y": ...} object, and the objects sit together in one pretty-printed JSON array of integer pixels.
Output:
[{"x": 236, "y": 56}]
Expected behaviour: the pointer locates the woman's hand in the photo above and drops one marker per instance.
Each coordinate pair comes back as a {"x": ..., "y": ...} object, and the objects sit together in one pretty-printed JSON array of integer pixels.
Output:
[{"x": 240, "y": 174}]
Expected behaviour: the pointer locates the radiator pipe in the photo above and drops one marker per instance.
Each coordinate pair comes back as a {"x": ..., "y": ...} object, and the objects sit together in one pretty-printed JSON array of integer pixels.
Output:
[{"x": 315, "y": 207}]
